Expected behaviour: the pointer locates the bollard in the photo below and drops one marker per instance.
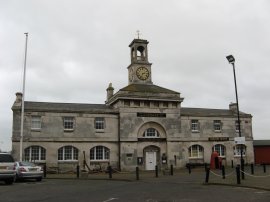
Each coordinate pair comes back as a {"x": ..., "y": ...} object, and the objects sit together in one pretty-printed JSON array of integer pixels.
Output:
[
  {"x": 243, "y": 169},
  {"x": 232, "y": 163},
  {"x": 207, "y": 175},
  {"x": 264, "y": 168},
  {"x": 110, "y": 172},
  {"x": 189, "y": 168},
  {"x": 223, "y": 172},
  {"x": 156, "y": 169},
  {"x": 137, "y": 173},
  {"x": 238, "y": 174},
  {"x": 171, "y": 169},
  {"x": 78, "y": 171},
  {"x": 252, "y": 168},
  {"x": 44, "y": 170}
]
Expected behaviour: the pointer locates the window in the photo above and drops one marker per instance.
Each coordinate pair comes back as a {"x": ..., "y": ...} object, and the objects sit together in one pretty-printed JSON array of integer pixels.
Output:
[
  {"x": 146, "y": 103},
  {"x": 68, "y": 153},
  {"x": 155, "y": 104},
  {"x": 217, "y": 125},
  {"x": 237, "y": 150},
  {"x": 220, "y": 149},
  {"x": 237, "y": 126},
  {"x": 68, "y": 123},
  {"x": 151, "y": 133},
  {"x": 136, "y": 103},
  {"x": 126, "y": 103},
  {"x": 36, "y": 122},
  {"x": 195, "y": 151},
  {"x": 99, "y": 123},
  {"x": 194, "y": 125},
  {"x": 34, "y": 153},
  {"x": 165, "y": 104},
  {"x": 174, "y": 104},
  {"x": 99, "y": 153}
]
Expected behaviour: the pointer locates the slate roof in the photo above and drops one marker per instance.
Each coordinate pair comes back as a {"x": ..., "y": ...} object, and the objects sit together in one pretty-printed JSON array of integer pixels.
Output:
[
  {"x": 186, "y": 111},
  {"x": 67, "y": 107},
  {"x": 146, "y": 92},
  {"x": 103, "y": 109},
  {"x": 147, "y": 88}
]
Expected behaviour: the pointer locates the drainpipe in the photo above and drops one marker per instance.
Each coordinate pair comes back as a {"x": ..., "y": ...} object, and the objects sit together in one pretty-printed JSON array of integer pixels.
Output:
[{"x": 119, "y": 144}]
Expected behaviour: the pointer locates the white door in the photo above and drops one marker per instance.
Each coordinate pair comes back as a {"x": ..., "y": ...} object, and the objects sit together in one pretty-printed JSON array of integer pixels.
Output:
[{"x": 151, "y": 160}]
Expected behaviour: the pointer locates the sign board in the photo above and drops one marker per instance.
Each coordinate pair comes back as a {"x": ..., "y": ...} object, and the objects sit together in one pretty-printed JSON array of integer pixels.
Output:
[
  {"x": 218, "y": 139},
  {"x": 240, "y": 140}
]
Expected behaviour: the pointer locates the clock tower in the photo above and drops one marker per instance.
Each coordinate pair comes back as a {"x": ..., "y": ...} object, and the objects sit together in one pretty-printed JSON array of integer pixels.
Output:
[{"x": 139, "y": 71}]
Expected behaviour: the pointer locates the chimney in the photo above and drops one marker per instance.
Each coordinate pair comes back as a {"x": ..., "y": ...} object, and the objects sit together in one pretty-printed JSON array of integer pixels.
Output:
[
  {"x": 110, "y": 90},
  {"x": 18, "y": 97},
  {"x": 233, "y": 107}
]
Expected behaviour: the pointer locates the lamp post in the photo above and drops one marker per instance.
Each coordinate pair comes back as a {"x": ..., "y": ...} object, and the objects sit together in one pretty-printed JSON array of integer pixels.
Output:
[
  {"x": 23, "y": 96},
  {"x": 231, "y": 60}
]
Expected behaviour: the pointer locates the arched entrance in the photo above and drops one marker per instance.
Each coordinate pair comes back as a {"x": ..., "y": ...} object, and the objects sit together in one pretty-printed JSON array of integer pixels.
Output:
[
  {"x": 151, "y": 155},
  {"x": 151, "y": 144}
]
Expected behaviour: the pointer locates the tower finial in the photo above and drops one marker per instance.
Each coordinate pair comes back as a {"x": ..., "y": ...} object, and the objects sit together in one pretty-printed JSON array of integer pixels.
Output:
[{"x": 138, "y": 34}]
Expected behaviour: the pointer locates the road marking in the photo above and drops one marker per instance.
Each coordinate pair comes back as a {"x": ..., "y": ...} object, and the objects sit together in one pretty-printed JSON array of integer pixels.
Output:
[
  {"x": 260, "y": 192},
  {"x": 110, "y": 199}
]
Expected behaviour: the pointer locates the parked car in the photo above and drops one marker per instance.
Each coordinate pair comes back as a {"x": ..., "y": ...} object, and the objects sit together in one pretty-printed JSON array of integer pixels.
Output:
[
  {"x": 7, "y": 168},
  {"x": 28, "y": 170}
]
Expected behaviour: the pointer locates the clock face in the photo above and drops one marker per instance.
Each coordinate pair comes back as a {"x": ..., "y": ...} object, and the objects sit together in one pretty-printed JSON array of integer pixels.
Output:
[{"x": 142, "y": 73}]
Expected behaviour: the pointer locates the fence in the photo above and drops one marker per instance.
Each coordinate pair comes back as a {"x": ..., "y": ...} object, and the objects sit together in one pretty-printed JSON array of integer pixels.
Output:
[
  {"x": 251, "y": 176},
  {"x": 254, "y": 176}
]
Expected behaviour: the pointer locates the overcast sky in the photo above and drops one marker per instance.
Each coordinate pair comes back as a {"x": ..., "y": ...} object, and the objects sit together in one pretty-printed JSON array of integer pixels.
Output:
[{"x": 76, "y": 48}]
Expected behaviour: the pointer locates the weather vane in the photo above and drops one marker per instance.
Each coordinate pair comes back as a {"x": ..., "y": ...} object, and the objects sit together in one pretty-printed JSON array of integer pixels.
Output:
[{"x": 138, "y": 34}]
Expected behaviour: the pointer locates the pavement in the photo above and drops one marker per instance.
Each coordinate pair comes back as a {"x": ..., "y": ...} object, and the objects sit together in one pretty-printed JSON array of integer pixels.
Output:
[{"x": 258, "y": 180}]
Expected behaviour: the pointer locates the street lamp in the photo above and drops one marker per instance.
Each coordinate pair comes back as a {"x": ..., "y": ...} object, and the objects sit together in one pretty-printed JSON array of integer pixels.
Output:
[{"x": 231, "y": 60}]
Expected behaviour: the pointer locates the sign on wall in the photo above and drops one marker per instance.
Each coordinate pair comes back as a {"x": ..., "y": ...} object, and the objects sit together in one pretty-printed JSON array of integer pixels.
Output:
[{"x": 240, "y": 140}]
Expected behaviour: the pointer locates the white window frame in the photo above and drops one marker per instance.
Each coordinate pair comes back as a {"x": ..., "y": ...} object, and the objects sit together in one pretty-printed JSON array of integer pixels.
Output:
[
  {"x": 220, "y": 149},
  {"x": 151, "y": 133},
  {"x": 217, "y": 125},
  {"x": 237, "y": 126},
  {"x": 35, "y": 122},
  {"x": 99, "y": 123},
  {"x": 196, "y": 149},
  {"x": 99, "y": 153},
  {"x": 34, "y": 151},
  {"x": 194, "y": 125},
  {"x": 69, "y": 123},
  {"x": 64, "y": 151},
  {"x": 237, "y": 150}
]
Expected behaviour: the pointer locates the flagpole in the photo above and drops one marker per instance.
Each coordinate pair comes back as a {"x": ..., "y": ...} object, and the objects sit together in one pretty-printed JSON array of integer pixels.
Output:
[{"x": 23, "y": 96}]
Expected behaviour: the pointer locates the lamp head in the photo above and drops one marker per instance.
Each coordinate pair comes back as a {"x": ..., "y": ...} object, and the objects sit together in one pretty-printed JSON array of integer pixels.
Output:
[{"x": 230, "y": 59}]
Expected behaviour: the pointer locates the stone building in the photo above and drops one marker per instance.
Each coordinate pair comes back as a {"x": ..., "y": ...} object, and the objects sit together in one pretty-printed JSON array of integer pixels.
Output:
[{"x": 140, "y": 125}]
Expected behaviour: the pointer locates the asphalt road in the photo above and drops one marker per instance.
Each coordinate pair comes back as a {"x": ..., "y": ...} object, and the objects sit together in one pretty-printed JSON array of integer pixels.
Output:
[{"x": 58, "y": 190}]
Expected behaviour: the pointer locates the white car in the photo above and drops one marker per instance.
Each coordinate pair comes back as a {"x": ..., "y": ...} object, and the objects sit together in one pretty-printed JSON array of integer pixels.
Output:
[
  {"x": 28, "y": 170},
  {"x": 7, "y": 168}
]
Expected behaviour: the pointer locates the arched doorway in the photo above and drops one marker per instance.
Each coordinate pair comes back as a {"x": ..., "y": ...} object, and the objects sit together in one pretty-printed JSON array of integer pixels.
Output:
[{"x": 151, "y": 155}]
